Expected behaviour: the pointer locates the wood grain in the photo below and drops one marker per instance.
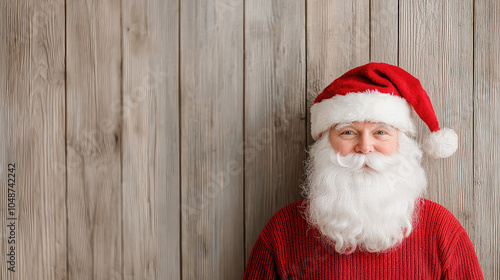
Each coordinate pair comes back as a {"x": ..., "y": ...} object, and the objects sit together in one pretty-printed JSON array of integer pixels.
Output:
[
  {"x": 211, "y": 139},
  {"x": 94, "y": 135},
  {"x": 275, "y": 103},
  {"x": 96, "y": 97},
  {"x": 32, "y": 98},
  {"x": 384, "y": 36},
  {"x": 445, "y": 69},
  {"x": 151, "y": 224},
  {"x": 338, "y": 39},
  {"x": 486, "y": 188}
]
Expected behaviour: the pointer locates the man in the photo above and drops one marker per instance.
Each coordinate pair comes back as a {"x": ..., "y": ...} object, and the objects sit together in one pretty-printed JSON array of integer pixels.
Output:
[{"x": 364, "y": 216}]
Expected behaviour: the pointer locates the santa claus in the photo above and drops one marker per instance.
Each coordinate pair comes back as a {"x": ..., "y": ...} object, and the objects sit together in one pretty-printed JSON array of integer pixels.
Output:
[{"x": 364, "y": 216}]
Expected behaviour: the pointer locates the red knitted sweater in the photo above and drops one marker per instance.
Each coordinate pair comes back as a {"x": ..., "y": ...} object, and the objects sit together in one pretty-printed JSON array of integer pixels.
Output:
[{"x": 438, "y": 248}]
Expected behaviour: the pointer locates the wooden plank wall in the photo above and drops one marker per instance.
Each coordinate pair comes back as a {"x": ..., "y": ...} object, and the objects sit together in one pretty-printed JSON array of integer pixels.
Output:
[
  {"x": 94, "y": 181},
  {"x": 154, "y": 139},
  {"x": 211, "y": 124},
  {"x": 33, "y": 137},
  {"x": 485, "y": 208},
  {"x": 275, "y": 110}
]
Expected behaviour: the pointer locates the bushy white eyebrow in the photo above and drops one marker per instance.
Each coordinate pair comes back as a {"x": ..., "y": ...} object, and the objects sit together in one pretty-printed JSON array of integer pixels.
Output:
[
  {"x": 341, "y": 125},
  {"x": 388, "y": 127}
]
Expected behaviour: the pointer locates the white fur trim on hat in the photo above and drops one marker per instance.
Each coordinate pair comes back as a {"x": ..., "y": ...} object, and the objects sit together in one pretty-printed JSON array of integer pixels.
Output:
[
  {"x": 441, "y": 144},
  {"x": 370, "y": 106}
]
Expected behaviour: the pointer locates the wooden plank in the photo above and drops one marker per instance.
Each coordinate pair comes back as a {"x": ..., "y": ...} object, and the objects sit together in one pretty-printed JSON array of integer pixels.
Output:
[
  {"x": 32, "y": 97},
  {"x": 445, "y": 69},
  {"x": 151, "y": 206},
  {"x": 338, "y": 39},
  {"x": 212, "y": 136},
  {"x": 94, "y": 138},
  {"x": 384, "y": 31},
  {"x": 275, "y": 103},
  {"x": 487, "y": 136}
]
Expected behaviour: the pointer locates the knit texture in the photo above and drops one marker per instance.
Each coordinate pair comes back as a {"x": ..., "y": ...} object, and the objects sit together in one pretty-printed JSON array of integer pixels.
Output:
[{"x": 438, "y": 248}]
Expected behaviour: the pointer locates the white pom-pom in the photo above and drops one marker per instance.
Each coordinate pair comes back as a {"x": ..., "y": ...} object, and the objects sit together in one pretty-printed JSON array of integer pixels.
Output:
[{"x": 441, "y": 144}]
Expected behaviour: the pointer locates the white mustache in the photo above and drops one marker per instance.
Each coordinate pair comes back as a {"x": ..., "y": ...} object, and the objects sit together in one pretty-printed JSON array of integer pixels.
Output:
[{"x": 375, "y": 161}]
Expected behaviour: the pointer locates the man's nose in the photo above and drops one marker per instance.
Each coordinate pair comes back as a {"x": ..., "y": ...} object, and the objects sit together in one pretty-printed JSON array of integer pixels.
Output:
[{"x": 365, "y": 144}]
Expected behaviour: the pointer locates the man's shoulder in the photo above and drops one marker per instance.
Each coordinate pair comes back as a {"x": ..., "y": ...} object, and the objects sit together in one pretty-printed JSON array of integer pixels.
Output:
[
  {"x": 289, "y": 218},
  {"x": 432, "y": 206},
  {"x": 437, "y": 217},
  {"x": 292, "y": 207},
  {"x": 290, "y": 213},
  {"x": 434, "y": 209}
]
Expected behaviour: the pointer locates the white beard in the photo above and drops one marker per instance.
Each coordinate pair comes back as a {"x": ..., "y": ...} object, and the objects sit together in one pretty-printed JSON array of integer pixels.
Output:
[{"x": 358, "y": 207}]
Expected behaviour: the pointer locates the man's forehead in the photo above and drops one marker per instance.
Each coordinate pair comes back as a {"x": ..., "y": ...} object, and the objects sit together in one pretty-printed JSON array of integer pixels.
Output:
[{"x": 375, "y": 124}]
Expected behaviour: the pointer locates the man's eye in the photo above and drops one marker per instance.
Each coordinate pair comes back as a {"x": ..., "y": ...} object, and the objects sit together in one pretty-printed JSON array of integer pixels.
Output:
[
  {"x": 380, "y": 132},
  {"x": 348, "y": 132}
]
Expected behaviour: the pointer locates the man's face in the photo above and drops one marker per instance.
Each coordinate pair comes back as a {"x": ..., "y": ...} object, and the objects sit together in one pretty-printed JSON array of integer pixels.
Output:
[
  {"x": 363, "y": 138},
  {"x": 363, "y": 180}
]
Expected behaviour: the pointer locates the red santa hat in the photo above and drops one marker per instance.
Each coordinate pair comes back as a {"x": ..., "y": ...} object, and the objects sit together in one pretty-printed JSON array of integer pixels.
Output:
[{"x": 380, "y": 92}]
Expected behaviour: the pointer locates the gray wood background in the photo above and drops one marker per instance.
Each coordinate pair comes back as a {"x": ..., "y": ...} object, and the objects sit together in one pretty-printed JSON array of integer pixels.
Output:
[{"x": 154, "y": 139}]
